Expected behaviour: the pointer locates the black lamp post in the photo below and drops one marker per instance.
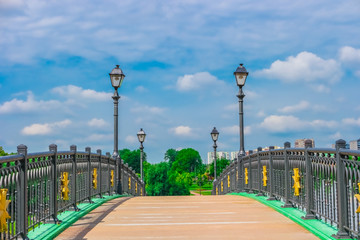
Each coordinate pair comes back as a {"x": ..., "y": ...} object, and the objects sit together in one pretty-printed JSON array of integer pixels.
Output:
[
  {"x": 214, "y": 135},
  {"x": 141, "y": 136},
  {"x": 240, "y": 76},
  {"x": 116, "y": 77}
]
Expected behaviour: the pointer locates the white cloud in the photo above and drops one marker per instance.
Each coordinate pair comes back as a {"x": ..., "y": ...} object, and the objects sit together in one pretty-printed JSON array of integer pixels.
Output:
[
  {"x": 98, "y": 137},
  {"x": 235, "y": 130},
  {"x": 336, "y": 136},
  {"x": 351, "y": 121},
  {"x": 29, "y": 105},
  {"x": 182, "y": 131},
  {"x": 148, "y": 109},
  {"x": 97, "y": 122},
  {"x": 321, "y": 88},
  {"x": 45, "y": 128},
  {"x": 75, "y": 92},
  {"x": 305, "y": 67},
  {"x": 131, "y": 139},
  {"x": 197, "y": 81},
  {"x": 349, "y": 55},
  {"x": 303, "y": 105},
  {"x": 288, "y": 123},
  {"x": 141, "y": 89}
]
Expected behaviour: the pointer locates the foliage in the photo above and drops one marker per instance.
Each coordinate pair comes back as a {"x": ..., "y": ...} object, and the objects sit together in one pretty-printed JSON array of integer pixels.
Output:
[
  {"x": 170, "y": 156},
  {"x": 3, "y": 153},
  {"x": 132, "y": 158},
  {"x": 157, "y": 179},
  {"x": 221, "y": 164},
  {"x": 187, "y": 160}
]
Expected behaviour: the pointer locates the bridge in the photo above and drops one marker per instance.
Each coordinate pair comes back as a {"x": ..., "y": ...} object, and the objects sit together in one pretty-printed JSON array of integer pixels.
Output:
[{"x": 42, "y": 194}]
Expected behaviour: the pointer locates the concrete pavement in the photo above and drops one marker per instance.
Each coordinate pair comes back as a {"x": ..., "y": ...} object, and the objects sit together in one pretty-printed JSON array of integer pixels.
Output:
[{"x": 185, "y": 217}]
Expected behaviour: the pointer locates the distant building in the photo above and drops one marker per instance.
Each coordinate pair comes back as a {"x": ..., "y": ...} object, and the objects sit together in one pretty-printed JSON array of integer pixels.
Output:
[
  {"x": 355, "y": 144},
  {"x": 300, "y": 143},
  {"x": 220, "y": 155}
]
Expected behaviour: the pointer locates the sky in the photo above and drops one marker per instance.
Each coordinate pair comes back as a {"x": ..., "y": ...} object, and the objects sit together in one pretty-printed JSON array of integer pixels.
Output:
[{"x": 303, "y": 59}]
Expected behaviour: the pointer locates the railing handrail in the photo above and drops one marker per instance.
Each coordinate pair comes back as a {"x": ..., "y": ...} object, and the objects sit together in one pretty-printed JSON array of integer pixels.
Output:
[
  {"x": 53, "y": 181},
  {"x": 328, "y": 180}
]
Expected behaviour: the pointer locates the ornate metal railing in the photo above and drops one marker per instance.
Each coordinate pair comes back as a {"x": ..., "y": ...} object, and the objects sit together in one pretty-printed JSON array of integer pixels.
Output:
[
  {"x": 36, "y": 187},
  {"x": 324, "y": 183}
]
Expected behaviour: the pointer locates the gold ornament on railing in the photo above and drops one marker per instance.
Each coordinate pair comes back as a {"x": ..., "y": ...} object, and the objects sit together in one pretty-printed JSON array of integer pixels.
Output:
[
  {"x": 228, "y": 181},
  {"x": 94, "y": 178},
  {"x": 141, "y": 192},
  {"x": 264, "y": 176},
  {"x": 217, "y": 191},
  {"x": 237, "y": 174},
  {"x": 296, "y": 178},
  {"x": 129, "y": 183},
  {"x": 65, "y": 186},
  {"x": 222, "y": 186},
  {"x": 112, "y": 178},
  {"x": 358, "y": 198},
  {"x": 4, "y": 215},
  {"x": 136, "y": 188},
  {"x": 246, "y": 176}
]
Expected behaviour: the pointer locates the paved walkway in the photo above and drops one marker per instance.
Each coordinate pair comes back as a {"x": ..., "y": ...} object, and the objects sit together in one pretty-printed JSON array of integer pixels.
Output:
[{"x": 185, "y": 217}]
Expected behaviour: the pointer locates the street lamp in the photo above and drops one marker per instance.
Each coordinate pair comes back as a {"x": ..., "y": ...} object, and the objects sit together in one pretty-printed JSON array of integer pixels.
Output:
[
  {"x": 240, "y": 76},
  {"x": 116, "y": 77},
  {"x": 214, "y": 135},
  {"x": 141, "y": 136}
]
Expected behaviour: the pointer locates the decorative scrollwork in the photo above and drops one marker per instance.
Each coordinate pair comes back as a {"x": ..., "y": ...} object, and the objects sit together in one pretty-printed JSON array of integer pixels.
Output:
[
  {"x": 246, "y": 176},
  {"x": 94, "y": 178},
  {"x": 112, "y": 178},
  {"x": 65, "y": 186},
  {"x": 4, "y": 215},
  {"x": 264, "y": 172},
  {"x": 296, "y": 185}
]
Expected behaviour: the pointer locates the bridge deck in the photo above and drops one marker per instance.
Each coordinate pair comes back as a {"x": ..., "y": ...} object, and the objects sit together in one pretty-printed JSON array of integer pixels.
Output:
[{"x": 185, "y": 217}]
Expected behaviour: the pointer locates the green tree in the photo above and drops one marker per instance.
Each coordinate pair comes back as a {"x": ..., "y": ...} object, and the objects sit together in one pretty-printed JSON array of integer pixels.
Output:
[
  {"x": 221, "y": 164},
  {"x": 2, "y": 152},
  {"x": 156, "y": 179},
  {"x": 170, "y": 156},
  {"x": 187, "y": 160},
  {"x": 132, "y": 158}
]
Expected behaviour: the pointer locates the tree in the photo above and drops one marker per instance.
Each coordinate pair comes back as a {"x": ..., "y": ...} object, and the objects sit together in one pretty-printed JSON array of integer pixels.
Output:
[
  {"x": 157, "y": 183},
  {"x": 170, "y": 156},
  {"x": 2, "y": 152},
  {"x": 187, "y": 160},
  {"x": 132, "y": 158},
  {"x": 221, "y": 164}
]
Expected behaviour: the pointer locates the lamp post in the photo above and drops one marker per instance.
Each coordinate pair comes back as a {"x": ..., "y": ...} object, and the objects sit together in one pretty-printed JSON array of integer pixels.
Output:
[
  {"x": 116, "y": 77},
  {"x": 214, "y": 135},
  {"x": 141, "y": 136},
  {"x": 240, "y": 76}
]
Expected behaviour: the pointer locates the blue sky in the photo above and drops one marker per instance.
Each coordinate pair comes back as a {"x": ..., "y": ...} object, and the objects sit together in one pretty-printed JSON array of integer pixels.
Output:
[{"x": 303, "y": 59}]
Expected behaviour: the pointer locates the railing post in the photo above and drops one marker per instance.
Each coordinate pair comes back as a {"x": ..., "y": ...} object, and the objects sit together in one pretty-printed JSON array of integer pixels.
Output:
[
  {"x": 309, "y": 199},
  {"x": 271, "y": 175},
  {"x": 341, "y": 193},
  {"x": 259, "y": 149},
  {"x": 88, "y": 151},
  {"x": 287, "y": 177},
  {"x": 54, "y": 188},
  {"x": 73, "y": 148},
  {"x": 23, "y": 193},
  {"x": 119, "y": 175},
  {"x": 250, "y": 173},
  {"x": 108, "y": 169},
  {"x": 100, "y": 182}
]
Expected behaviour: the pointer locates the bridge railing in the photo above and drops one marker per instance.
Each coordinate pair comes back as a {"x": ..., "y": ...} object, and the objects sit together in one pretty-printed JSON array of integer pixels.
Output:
[
  {"x": 324, "y": 183},
  {"x": 36, "y": 187}
]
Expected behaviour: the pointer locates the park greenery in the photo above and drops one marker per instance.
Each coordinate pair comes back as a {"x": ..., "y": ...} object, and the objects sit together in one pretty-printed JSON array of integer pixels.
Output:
[{"x": 181, "y": 171}]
